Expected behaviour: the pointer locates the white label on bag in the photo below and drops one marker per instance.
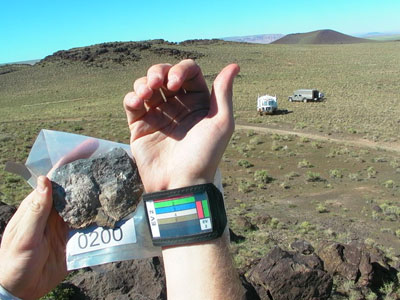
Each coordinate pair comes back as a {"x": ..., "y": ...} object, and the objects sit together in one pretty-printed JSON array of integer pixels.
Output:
[{"x": 96, "y": 238}]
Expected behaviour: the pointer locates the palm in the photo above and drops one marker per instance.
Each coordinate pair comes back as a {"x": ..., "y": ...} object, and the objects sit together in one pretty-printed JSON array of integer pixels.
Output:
[
  {"x": 180, "y": 142},
  {"x": 177, "y": 148}
]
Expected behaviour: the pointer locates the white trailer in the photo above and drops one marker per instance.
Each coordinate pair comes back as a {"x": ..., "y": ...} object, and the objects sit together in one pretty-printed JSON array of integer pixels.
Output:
[{"x": 267, "y": 104}]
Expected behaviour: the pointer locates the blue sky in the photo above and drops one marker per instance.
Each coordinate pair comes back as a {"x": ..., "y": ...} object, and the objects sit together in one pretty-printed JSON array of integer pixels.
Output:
[{"x": 33, "y": 29}]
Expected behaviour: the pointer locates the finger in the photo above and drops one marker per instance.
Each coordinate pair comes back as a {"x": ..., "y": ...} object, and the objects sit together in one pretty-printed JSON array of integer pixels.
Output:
[
  {"x": 151, "y": 89},
  {"x": 144, "y": 128},
  {"x": 141, "y": 88},
  {"x": 187, "y": 75},
  {"x": 159, "y": 97},
  {"x": 83, "y": 150},
  {"x": 150, "y": 123},
  {"x": 156, "y": 75},
  {"x": 134, "y": 107},
  {"x": 221, "y": 105},
  {"x": 36, "y": 215}
]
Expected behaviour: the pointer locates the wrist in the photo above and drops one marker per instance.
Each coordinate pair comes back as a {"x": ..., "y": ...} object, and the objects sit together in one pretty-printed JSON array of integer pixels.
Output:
[
  {"x": 223, "y": 240},
  {"x": 175, "y": 183}
]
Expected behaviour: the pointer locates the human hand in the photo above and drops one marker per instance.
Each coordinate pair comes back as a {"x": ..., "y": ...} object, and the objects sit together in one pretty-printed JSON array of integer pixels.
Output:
[
  {"x": 32, "y": 252},
  {"x": 179, "y": 142}
]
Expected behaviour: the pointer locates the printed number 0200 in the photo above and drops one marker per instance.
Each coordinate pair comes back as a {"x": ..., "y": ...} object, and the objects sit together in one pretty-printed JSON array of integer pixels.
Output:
[{"x": 93, "y": 239}]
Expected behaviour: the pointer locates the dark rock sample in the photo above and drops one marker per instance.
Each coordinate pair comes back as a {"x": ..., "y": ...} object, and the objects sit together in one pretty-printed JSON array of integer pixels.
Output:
[
  {"x": 133, "y": 279},
  {"x": 286, "y": 275},
  {"x": 6, "y": 212},
  {"x": 364, "y": 265},
  {"x": 100, "y": 190}
]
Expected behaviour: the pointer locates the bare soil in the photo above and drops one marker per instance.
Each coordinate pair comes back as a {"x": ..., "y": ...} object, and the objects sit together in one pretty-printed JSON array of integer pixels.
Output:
[
  {"x": 394, "y": 147},
  {"x": 345, "y": 203}
]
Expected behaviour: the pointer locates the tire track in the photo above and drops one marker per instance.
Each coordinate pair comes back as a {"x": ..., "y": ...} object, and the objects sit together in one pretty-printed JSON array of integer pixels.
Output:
[{"x": 392, "y": 147}]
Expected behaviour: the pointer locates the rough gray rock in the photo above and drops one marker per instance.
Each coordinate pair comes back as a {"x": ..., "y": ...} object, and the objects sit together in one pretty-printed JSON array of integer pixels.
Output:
[
  {"x": 284, "y": 275},
  {"x": 100, "y": 190}
]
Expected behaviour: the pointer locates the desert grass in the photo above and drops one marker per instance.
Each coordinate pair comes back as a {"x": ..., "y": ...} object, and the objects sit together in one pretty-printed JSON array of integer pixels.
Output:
[{"x": 362, "y": 103}]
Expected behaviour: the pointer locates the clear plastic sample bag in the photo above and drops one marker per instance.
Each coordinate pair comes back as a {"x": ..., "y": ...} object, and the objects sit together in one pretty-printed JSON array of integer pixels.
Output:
[{"x": 94, "y": 245}]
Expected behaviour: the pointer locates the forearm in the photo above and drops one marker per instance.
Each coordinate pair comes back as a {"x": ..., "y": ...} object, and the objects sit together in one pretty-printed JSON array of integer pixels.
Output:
[{"x": 201, "y": 271}]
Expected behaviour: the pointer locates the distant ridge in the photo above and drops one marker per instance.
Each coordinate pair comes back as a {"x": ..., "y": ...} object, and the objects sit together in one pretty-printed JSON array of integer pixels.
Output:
[
  {"x": 381, "y": 36},
  {"x": 320, "y": 37},
  {"x": 256, "y": 39},
  {"x": 25, "y": 62}
]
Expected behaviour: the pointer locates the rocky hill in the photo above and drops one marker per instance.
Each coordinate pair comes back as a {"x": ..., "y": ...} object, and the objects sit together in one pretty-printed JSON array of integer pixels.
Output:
[
  {"x": 123, "y": 53},
  {"x": 320, "y": 37}
]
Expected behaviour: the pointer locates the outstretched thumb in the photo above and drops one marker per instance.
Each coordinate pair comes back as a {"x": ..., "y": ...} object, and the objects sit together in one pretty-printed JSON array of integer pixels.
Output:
[
  {"x": 37, "y": 212},
  {"x": 221, "y": 105}
]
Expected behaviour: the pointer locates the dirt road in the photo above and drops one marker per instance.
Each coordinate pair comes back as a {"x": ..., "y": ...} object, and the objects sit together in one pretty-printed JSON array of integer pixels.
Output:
[{"x": 392, "y": 147}]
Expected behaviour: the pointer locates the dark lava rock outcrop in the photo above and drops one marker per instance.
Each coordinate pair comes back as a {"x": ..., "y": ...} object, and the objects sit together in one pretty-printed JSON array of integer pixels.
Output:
[
  {"x": 364, "y": 265},
  {"x": 100, "y": 190},
  {"x": 6, "y": 212},
  {"x": 286, "y": 275},
  {"x": 106, "y": 55},
  {"x": 302, "y": 246},
  {"x": 126, "y": 280}
]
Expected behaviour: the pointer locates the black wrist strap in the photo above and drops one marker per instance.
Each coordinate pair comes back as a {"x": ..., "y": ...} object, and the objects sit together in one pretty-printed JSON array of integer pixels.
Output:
[{"x": 185, "y": 215}]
